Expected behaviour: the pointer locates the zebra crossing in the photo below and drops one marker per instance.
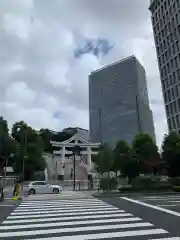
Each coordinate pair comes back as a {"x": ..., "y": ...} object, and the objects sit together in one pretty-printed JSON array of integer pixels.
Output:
[{"x": 76, "y": 219}]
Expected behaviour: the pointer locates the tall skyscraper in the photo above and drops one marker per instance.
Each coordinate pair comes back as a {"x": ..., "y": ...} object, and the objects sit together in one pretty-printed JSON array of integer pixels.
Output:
[
  {"x": 119, "y": 103},
  {"x": 166, "y": 27}
]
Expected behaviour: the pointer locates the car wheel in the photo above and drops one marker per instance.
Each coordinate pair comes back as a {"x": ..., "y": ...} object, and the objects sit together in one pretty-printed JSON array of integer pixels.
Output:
[
  {"x": 55, "y": 190},
  {"x": 32, "y": 192}
]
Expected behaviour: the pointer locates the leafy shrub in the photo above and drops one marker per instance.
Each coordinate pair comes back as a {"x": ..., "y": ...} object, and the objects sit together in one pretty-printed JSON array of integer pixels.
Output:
[
  {"x": 104, "y": 183},
  {"x": 113, "y": 183},
  {"x": 176, "y": 188},
  {"x": 141, "y": 182},
  {"x": 150, "y": 183},
  {"x": 39, "y": 176},
  {"x": 175, "y": 181},
  {"x": 108, "y": 183},
  {"x": 125, "y": 188}
]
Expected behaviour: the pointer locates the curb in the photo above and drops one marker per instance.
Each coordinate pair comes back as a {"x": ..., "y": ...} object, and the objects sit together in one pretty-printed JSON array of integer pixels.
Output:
[{"x": 133, "y": 194}]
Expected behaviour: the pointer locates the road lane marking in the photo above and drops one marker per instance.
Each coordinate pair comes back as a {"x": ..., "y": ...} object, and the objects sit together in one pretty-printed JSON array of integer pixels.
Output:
[
  {"x": 63, "y": 224},
  {"x": 60, "y": 207},
  {"x": 108, "y": 235},
  {"x": 76, "y": 218},
  {"x": 168, "y": 238},
  {"x": 168, "y": 205},
  {"x": 28, "y": 212},
  {"x": 78, "y": 229},
  {"x": 177, "y": 214},
  {"x": 12, "y": 216}
]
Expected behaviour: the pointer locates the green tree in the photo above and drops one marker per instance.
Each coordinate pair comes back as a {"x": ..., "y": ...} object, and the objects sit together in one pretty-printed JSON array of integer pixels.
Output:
[
  {"x": 121, "y": 149},
  {"x": 104, "y": 160},
  {"x": 171, "y": 153},
  {"x": 46, "y": 136},
  {"x": 4, "y": 136},
  {"x": 28, "y": 158},
  {"x": 144, "y": 149},
  {"x": 129, "y": 166}
]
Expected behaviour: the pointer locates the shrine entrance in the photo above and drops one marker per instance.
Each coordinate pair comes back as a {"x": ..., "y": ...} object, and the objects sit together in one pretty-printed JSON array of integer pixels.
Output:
[{"x": 72, "y": 160}]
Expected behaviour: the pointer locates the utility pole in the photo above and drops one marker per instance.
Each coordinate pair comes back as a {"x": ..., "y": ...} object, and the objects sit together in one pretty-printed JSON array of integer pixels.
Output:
[
  {"x": 24, "y": 154},
  {"x": 74, "y": 171},
  {"x": 3, "y": 168},
  {"x": 76, "y": 151}
]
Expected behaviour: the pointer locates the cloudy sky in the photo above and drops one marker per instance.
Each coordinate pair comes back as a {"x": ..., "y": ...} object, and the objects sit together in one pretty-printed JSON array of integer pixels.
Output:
[{"x": 42, "y": 78}]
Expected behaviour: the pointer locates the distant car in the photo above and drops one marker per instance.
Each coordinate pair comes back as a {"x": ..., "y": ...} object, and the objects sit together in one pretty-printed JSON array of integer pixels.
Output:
[{"x": 42, "y": 187}]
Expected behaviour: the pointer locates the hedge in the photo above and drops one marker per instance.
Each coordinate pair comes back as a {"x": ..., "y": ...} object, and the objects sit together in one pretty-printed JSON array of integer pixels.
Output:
[{"x": 108, "y": 183}]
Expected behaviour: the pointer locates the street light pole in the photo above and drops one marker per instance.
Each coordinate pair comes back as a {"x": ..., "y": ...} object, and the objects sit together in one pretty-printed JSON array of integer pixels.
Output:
[
  {"x": 25, "y": 152},
  {"x": 74, "y": 171},
  {"x": 76, "y": 151}
]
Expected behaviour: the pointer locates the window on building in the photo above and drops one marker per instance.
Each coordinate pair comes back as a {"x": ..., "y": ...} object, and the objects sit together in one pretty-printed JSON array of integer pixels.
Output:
[
  {"x": 165, "y": 97},
  {"x": 178, "y": 74},
  {"x": 175, "y": 106},
  {"x": 171, "y": 108},
  {"x": 173, "y": 123},
  {"x": 178, "y": 121},
  {"x": 163, "y": 84},
  {"x": 168, "y": 96},
  {"x": 172, "y": 65},
  {"x": 179, "y": 103},
  {"x": 167, "y": 110},
  {"x": 176, "y": 91},
  {"x": 169, "y": 124},
  {"x": 172, "y": 93}
]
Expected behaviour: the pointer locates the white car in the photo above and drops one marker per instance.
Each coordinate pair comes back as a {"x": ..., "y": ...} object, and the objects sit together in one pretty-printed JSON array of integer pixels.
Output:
[{"x": 43, "y": 187}]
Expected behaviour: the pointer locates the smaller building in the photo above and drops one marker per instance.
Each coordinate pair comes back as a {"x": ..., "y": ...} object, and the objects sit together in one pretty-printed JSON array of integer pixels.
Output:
[{"x": 60, "y": 164}]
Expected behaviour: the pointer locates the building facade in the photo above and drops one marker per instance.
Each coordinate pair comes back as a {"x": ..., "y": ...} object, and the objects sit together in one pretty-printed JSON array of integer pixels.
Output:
[
  {"x": 166, "y": 28},
  {"x": 119, "y": 103}
]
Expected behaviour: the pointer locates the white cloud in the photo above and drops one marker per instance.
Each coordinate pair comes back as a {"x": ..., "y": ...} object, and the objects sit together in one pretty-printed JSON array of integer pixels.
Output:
[{"x": 38, "y": 76}]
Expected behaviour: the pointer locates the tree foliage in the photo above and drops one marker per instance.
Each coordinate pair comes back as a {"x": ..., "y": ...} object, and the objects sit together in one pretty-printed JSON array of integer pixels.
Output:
[
  {"x": 121, "y": 149},
  {"x": 171, "y": 153},
  {"x": 29, "y": 152},
  {"x": 129, "y": 166},
  {"x": 104, "y": 160},
  {"x": 144, "y": 150}
]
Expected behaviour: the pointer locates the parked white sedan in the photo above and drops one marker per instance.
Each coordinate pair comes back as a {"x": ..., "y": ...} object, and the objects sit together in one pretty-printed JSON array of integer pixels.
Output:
[{"x": 42, "y": 187}]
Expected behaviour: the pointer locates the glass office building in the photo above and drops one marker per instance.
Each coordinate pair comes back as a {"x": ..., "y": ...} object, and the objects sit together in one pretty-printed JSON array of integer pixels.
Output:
[
  {"x": 119, "y": 103},
  {"x": 166, "y": 28}
]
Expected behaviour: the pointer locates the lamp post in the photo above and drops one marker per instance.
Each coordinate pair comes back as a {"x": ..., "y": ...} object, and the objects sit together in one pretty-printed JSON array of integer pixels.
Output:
[
  {"x": 75, "y": 151},
  {"x": 3, "y": 168},
  {"x": 24, "y": 143}
]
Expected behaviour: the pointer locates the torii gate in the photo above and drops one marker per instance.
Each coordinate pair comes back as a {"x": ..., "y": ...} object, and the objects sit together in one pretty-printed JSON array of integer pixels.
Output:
[{"x": 71, "y": 143}]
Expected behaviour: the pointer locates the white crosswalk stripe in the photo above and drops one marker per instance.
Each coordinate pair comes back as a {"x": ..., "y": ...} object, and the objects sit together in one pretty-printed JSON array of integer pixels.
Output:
[{"x": 84, "y": 219}]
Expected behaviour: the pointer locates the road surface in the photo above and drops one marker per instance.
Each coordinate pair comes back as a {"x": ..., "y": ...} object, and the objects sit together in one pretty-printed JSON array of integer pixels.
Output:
[{"x": 85, "y": 218}]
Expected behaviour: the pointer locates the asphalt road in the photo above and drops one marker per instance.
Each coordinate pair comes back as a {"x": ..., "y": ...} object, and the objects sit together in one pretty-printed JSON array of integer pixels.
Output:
[
  {"x": 171, "y": 202},
  {"x": 6, "y": 208},
  {"x": 159, "y": 218},
  {"x": 85, "y": 218}
]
